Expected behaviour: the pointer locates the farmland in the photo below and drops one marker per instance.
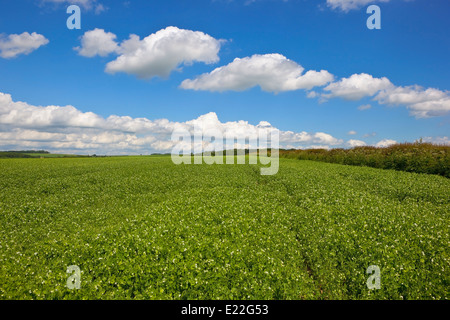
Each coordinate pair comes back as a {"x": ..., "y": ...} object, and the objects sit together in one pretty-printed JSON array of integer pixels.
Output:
[{"x": 144, "y": 228}]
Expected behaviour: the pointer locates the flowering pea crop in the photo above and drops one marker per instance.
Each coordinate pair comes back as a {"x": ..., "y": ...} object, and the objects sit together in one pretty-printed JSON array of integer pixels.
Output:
[{"x": 144, "y": 228}]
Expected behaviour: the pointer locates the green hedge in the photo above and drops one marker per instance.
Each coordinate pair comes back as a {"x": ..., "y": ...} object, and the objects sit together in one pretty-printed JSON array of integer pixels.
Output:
[{"x": 411, "y": 157}]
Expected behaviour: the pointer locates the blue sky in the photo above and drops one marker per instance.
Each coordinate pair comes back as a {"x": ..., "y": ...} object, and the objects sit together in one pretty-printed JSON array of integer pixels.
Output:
[{"x": 410, "y": 50}]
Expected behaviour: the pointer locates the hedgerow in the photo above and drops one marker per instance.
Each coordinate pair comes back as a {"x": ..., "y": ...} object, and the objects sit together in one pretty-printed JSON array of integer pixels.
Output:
[{"x": 411, "y": 157}]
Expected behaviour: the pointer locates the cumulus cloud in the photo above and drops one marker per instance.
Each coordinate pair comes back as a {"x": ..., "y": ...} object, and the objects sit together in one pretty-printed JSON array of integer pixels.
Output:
[
  {"x": 97, "y": 42},
  {"x": 272, "y": 72},
  {"x": 347, "y": 5},
  {"x": 351, "y": 132},
  {"x": 356, "y": 143},
  {"x": 307, "y": 139},
  {"x": 364, "y": 107},
  {"x": 385, "y": 143},
  {"x": 99, "y": 8},
  {"x": 438, "y": 140},
  {"x": 67, "y": 129},
  {"x": 422, "y": 103},
  {"x": 312, "y": 94},
  {"x": 368, "y": 135},
  {"x": 357, "y": 86},
  {"x": 85, "y": 4},
  {"x": 168, "y": 49},
  {"x": 15, "y": 44},
  {"x": 162, "y": 52},
  {"x": 155, "y": 55},
  {"x": 275, "y": 73}
]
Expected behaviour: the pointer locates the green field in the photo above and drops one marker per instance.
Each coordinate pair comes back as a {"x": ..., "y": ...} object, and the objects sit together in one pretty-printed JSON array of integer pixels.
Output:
[{"x": 144, "y": 228}]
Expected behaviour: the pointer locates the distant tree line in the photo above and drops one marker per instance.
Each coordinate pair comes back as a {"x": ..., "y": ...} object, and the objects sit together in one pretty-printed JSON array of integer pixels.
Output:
[
  {"x": 27, "y": 151},
  {"x": 13, "y": 154},
  {"x": 21, "y": 153}
]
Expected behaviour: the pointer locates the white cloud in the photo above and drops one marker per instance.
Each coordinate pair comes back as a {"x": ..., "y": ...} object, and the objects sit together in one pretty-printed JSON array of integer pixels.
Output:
[
  {"x": 422, "y": 103},
  {"x": 347, "y": 5},
  {"x": 357, "y": 87},
  {"x": 364, "y": 107},
  {"x": 356, "y": 143},
  {"x": 97, "y": 42},
  {"x": 438, "y": 140},
  {"x": 67, "y": 129},
  {"x": 99, "y": 8},
  {"x": 352, "y": 132},
  {"x": 156, "y": 55},
  {"x": 368, "y": 135},
  {"x": 312, "y": 94},
  {"x": 272, "y": 72},
  {"x": 85, "y": 4},
  {"x": 385, "y": 143},
  {"x": 15, "y": 44},
  {"x": 164, "y": 51},
  {"x": 306, "y": 139}
]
